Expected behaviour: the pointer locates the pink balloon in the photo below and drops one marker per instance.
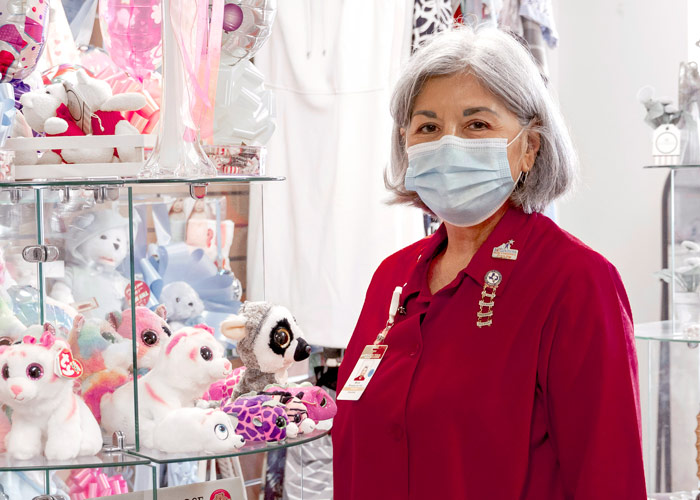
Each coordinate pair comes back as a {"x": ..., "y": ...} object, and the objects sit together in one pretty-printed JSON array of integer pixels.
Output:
[
  {"x": 132, "y": 36},
  {"x": 23, "y": 28}
]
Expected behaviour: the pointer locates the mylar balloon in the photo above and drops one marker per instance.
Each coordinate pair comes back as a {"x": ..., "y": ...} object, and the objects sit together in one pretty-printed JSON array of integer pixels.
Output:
[
  {"x": 23, "y": 29},
  {"x": 247, "y": 25},
  {"x": 131, "y": 33}
]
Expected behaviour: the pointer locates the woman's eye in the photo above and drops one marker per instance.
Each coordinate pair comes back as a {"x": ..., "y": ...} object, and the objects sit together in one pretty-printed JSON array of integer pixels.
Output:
[
  {"x": 478, "y": 125},
  {"x": 427, "y": 128}
]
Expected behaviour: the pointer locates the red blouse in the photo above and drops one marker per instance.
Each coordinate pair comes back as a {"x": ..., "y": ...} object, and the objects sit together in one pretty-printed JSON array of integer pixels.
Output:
[{"x": 542, "y": 405}]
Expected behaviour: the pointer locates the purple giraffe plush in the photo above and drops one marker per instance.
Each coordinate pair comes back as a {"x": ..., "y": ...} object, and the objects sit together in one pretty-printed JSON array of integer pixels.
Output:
[{"x": 260, "y": 418}]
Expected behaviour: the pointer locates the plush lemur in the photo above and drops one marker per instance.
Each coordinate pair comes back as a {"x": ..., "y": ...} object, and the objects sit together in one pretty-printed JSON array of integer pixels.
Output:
[
  {"x": 186, "y": 366},
  {"x": 37, "y": 383},
  {"x": 269, "y": 342},
  {"x": 97, "y": 242}
]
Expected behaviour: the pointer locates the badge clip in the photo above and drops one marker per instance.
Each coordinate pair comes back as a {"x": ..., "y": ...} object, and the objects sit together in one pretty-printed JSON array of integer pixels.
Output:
[{"x": 505, "y": 251}]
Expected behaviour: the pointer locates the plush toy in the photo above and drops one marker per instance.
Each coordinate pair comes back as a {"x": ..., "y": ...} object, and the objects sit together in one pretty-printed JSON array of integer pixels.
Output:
[
  {"x": 183, "y": 304},
  {"x": 297, "y": 415},
  {"x": 97, "y": 242},
  {"x": 110, "y": 351},
  {"x": 190, "y": 362},
  {"x": 106, "y": 110},
  {"x": 98, "y": 346},
  {"x": 45, "y": 110},
  {"x": 269, "y": 342},
  {"x": 10, "y": 326},
  {"x": 152, "y": 332},
  {"x": 20, "y": 128},
  {"x": 223, "y": 389},
  {"x": 260, "y": 417},
  {"x": 196, "y": 430},
  {"x": 319, "y": 404},
  {"x": 37, "y": 383}
]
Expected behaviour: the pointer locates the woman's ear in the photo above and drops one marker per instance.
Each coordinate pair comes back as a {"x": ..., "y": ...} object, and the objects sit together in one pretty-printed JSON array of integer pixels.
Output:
[{"x": 533, "y": 147}]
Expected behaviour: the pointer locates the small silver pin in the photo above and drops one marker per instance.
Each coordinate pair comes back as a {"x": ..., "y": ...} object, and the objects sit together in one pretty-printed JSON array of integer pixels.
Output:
[
  {"x": 505, "y": 251},
  {"x": 493, "y": 278}
]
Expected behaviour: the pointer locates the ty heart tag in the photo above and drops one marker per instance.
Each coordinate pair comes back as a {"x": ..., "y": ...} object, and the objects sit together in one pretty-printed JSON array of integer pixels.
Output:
[{"x": 66, "y": 366}]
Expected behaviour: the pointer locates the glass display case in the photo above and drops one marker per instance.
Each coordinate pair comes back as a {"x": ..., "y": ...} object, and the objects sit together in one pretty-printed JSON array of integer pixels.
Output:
[
  {"x": 668, "y": 349},
  {"x": 97, "y": 259}
]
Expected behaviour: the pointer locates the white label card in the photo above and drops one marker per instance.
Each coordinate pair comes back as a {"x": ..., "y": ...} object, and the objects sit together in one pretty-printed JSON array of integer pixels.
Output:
[
  {"x": 363, "y": 372},
  {"x": 224, "y": 489}
]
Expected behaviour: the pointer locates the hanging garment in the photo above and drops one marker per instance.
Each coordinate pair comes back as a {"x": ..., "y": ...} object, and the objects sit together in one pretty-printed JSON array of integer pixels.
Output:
[
  {"x": 482, "y": 11},
  {"x": 430, "y": 16},
  {"x": 540, "y": 11},
  {"x": 331, "y": 65},
  {"x": 532, "y": 33}
]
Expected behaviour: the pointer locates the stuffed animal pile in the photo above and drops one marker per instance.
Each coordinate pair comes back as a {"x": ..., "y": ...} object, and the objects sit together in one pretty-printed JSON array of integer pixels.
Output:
[
  {"x": 53, "y": 110},
  {"x": 47, "y": 417},
  {"x": 190, "y": 362}
]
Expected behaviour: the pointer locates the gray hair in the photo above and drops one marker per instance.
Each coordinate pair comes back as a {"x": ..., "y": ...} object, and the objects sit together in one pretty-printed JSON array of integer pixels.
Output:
[{"x": 509, "y": 72}]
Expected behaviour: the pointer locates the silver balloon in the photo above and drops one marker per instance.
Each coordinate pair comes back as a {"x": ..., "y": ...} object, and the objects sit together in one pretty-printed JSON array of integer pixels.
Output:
[{"x": 247, "y": 25}]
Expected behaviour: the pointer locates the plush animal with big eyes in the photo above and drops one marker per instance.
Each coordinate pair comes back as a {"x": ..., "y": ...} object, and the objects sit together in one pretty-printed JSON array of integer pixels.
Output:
[
  {"x": 47, "y": 417},
  {"x": 297, "y": 415},
  {"x": 152, "y": 332},
  {"x": 106, "y": 348},
  {"x": 319, "y": 404},
  {"x": 260, "y": 417},
  {"x": 269, "y": 342},
  {"x": 197, "y": 430},
  {"x": 97, "y": 243},
  {"x": 185, "y": 368},
  {"x": 183, "y": 304}
]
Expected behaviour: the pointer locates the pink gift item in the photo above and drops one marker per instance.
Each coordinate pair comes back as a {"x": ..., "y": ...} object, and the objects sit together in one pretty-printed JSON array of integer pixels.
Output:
[
  {"x": 237, "y": 159},
  {"x": 93, "y": 483},
  {"x": 23, "y": 30},
  {"x": 132, "y": 35}
]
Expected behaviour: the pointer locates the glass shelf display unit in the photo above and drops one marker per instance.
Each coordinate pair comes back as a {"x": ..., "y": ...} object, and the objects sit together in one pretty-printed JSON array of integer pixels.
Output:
[
  {"x": 668, "y": 349},
  {"x": 105, "y": 251}
]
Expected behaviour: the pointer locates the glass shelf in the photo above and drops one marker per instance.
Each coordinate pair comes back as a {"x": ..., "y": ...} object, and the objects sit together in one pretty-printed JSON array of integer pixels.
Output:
[
  {"x": 672, "y": 167},
  {"x": 133, "y": 181},
  {"x": 161, "y": 457},
  {"x": 664, "y": 331},
  {"x": 102, "y": 459}
]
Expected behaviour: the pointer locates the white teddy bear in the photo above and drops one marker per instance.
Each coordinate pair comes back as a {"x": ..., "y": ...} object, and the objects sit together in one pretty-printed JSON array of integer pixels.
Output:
[
  {"x": 182, "y": 303},
  {"x": 105, "y": 110},
  {"x": 45, "y": 110},
  {"x": 37, "y": 383},
  {"x": 192, "y": 360},
  {"x": 96, "y": 245},
  {"x": 197, "y": 430}
]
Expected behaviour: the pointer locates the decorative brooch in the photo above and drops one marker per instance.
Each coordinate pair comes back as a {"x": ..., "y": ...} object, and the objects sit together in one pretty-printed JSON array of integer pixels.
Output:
[{"x": 484, "y": 316}]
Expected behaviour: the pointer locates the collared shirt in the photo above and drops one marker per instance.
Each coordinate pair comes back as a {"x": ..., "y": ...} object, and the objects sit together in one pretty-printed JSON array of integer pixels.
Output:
[{"x": 543, "y": 404}]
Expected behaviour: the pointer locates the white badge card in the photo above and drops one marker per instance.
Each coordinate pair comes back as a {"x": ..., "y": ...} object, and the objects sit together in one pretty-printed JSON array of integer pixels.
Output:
[{"x": 363, "y": 372}]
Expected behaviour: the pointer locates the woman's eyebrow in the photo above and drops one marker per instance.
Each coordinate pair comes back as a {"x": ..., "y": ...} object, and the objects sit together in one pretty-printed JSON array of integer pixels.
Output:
[
  {"x": 471, "y": 111},
  {"x": 429, "y": 114}
]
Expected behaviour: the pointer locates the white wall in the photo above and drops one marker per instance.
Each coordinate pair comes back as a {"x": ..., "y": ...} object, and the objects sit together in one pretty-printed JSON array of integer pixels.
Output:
[{"x": 608, "y": 50}]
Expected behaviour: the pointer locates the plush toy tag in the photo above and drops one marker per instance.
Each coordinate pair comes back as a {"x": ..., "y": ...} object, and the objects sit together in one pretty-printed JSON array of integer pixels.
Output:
[
  {"x": 143, "y": 293},
  {"x": 66, "y": 366},
  {"x": 85, "y": 306},
  {"x": 362, "y": 373},
  {"x": 78, "y": 108}
]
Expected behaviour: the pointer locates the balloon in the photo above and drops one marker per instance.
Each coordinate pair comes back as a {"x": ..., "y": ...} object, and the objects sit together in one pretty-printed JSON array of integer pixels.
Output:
[
  {"x": 247, "y": 25},
  {"x": 131, "y": 33},
  {"x": 23, "y": 29}
]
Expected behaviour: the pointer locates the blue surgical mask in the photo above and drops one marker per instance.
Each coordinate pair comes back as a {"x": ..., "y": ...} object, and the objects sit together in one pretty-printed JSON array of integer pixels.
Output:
[{"x": 463, "y": 181}]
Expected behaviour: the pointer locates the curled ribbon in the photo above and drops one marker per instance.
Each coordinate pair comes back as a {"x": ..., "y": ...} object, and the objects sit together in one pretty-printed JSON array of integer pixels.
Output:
[
  {"x": 93, "y": 483},
  {"x": 7, "y": 110}
]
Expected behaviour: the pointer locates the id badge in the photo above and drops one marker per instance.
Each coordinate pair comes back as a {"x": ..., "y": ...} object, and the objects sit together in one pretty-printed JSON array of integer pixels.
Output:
[{"x": 363, "y": 372}]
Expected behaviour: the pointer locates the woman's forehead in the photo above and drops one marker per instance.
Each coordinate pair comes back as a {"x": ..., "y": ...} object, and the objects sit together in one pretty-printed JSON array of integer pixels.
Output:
[{"x": 461, "y": 90}]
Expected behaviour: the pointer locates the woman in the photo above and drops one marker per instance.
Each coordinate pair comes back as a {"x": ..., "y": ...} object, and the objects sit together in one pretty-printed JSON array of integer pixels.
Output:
[{"x": 510, "y": 370}]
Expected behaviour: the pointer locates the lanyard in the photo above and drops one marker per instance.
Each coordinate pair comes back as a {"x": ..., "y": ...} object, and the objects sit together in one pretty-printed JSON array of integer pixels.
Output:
[{"x": 395, "y": 298}]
